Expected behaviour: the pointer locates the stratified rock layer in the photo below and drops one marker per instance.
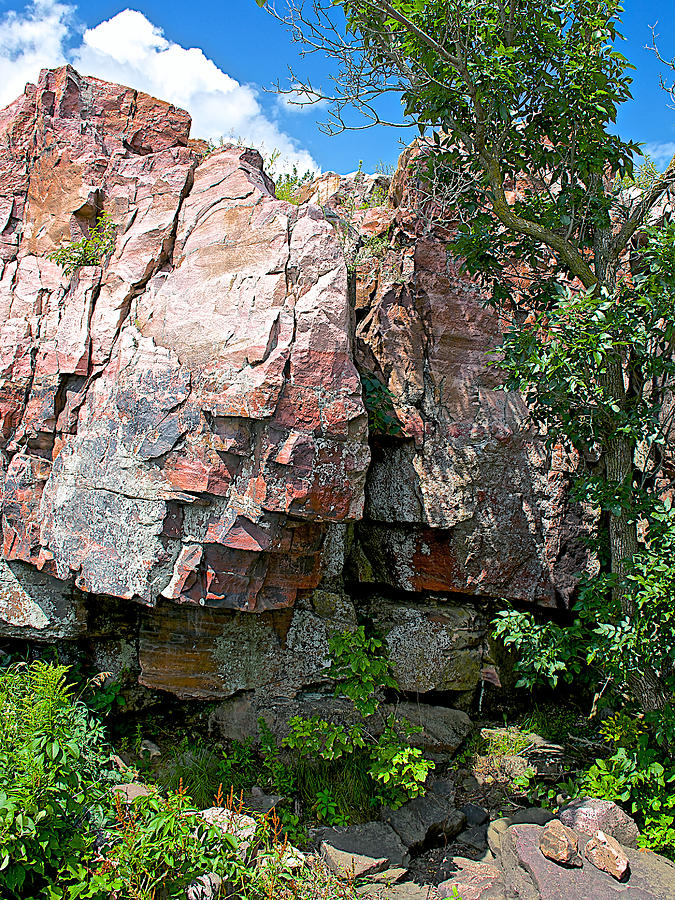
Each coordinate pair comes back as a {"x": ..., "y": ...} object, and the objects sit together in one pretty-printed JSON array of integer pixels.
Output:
[{"x": 183, "y": 428}]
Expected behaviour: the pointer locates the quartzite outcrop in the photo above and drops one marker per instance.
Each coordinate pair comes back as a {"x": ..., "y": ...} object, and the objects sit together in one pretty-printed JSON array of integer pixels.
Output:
[{"x": 189, "y": 484}]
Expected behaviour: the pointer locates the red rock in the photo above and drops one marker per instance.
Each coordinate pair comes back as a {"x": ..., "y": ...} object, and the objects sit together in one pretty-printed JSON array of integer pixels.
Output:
[
  {"x": 560, "y": 844},
  {"x": 183, "y": 425},
  {"x": 191, "y": 372}
]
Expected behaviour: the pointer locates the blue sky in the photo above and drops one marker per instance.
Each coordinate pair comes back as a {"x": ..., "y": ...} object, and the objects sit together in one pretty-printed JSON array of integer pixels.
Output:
[{"x": 216, "y": 56}]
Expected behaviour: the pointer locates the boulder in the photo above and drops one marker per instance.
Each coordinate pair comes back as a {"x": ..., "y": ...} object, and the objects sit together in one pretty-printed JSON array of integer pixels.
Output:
[
  {"x": 444, "y": 729},
  {"x": 425, "y": 818},
  {"x": 529, "y": 875},
  {"x": 590, "y": 815},
  {"x": 373, "y": 840},
  {"x": 475, "y": 814},
  {"x": 351, "y": 865}
]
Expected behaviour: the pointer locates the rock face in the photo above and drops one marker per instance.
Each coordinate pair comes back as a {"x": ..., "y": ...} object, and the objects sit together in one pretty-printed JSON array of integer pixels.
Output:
[{"x": 184, "y": 430}]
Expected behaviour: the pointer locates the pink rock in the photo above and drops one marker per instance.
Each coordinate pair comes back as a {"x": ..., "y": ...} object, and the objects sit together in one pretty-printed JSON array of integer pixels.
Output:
[
  {"x": 607, "y": 855},
  {"x": 589, "y": 815}
]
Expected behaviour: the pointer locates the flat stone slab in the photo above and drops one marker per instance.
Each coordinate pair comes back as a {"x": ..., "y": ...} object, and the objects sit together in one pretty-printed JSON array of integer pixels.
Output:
[
  {"x": 652, "y": 876},
  {"x": 351, "y": 865}
]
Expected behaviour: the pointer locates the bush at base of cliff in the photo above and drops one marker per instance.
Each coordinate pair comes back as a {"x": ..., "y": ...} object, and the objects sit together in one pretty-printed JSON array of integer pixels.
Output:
[
  {"x": 386, "y": 770},
  {"x": 52, "y": 776}
]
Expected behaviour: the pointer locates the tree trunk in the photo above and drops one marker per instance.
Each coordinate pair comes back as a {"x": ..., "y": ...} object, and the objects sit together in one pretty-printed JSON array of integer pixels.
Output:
[{"x": 647, "y": 687}]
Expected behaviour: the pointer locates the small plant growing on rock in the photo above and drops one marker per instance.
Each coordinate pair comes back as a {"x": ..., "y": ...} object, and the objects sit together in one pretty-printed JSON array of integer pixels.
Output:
[
  {"x": 90, "y": 251},
  {"x": 288, "y": 185},
  {"x": 378, "y": 401}
]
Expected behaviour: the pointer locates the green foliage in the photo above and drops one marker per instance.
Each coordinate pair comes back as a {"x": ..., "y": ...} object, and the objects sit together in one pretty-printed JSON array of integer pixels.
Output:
[
  {"x": 288, "y": 185},
  {"x": 90, "y": 251},
  {"x": 159, "y": 844},
  {"x": 279, "y": 775},
  {"x": 378, "y": 401},
  {"x": 396, "y": 770},
  {"x": 603, "y": 644},
  {"x": 399, "y": 768},
  {"x": 316, "y": 738},
  {"x": 239, "y": 767},
  {"x": 53, "y": 772},
  {"x": 359, "y": 667}
]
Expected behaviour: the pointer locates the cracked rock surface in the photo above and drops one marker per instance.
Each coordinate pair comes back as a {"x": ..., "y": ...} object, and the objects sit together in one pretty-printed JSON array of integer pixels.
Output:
[{"x": 183, "y": 431}]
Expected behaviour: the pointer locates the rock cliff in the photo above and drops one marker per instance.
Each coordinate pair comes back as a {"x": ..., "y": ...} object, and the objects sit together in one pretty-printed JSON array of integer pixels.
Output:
[{"x": 190, "y": 488}]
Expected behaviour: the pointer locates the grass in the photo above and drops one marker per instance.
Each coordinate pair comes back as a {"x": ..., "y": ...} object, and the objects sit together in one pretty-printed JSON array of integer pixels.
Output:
[
  {"x": 199, "y": 770},
  {"x": 344, "y": 781}
]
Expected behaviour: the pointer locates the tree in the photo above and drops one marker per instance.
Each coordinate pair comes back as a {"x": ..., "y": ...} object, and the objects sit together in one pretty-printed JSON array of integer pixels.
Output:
[{"x": 514, "y": 101}]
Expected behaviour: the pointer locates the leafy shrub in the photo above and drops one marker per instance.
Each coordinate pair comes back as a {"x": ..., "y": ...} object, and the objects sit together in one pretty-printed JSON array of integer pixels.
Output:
[
  {"x": 90, "y": 251},
  {"x": 53, "y": 772},
  {"x": 378, "y": 401},
  {"x": 397, "y": 771},
  {"x": 159, "y": 844}
]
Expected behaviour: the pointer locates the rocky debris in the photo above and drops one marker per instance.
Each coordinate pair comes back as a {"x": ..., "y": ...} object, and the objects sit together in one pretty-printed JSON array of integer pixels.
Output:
[
  {"x": 131, "y": 791},
  {"x": 424, "y": 819},
  {"x": 559, "y": 843},
  {"x": 405, "y": 891},
  {"x": 475, "y": 881},
  {"x": 607, "y": 855},
  {"x": 374, "y": 840},
  {"x": 206, "y": 887},
  {"x": 238, "y": 825},
  {"x": 590, "y": 815}
]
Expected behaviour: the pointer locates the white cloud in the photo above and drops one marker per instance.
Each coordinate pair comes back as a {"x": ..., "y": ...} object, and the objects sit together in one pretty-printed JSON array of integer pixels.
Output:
[
  {"x": 300, "y": 101},
  {"x": 131, "y": 50},
  {"x": 31, "y": 41},
  {"x": 660, "y": 152}
]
